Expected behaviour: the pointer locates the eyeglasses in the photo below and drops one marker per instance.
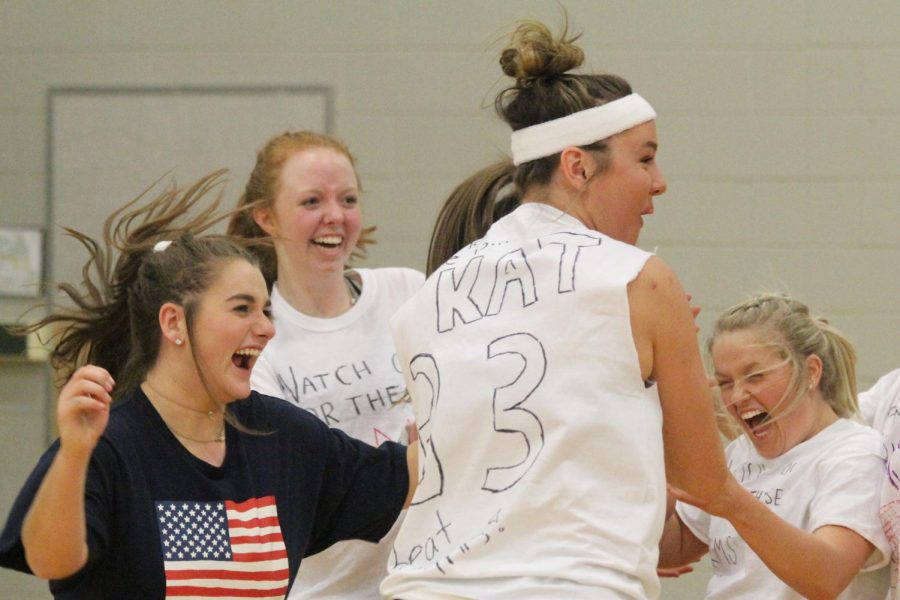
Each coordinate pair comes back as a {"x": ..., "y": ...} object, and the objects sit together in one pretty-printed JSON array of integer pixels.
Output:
[{"x": 752, "y": 381}]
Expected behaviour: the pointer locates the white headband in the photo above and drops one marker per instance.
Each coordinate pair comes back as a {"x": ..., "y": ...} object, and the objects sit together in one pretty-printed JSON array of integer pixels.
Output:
[{"x": 580, "y": 129}]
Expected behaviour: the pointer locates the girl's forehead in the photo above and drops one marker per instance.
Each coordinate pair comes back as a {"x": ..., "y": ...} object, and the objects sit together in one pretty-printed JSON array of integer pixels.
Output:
[
  {"x": 750, "y": 343},
  {"x": 234, "y": 274},
  {"x": 636, "y": 137},
  {"x": 746, "y": 336}
]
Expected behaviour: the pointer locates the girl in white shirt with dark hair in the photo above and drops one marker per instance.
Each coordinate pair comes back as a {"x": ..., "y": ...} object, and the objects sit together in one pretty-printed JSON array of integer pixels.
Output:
[{"x": 553, "y": 366}]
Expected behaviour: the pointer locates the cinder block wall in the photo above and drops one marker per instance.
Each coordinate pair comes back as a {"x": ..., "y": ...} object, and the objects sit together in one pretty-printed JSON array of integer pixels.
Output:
[{"x": 779, "y": 126}]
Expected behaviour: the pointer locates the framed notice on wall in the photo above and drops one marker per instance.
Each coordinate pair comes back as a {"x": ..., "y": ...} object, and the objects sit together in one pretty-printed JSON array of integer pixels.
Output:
[{"x": 21, "y": 262}]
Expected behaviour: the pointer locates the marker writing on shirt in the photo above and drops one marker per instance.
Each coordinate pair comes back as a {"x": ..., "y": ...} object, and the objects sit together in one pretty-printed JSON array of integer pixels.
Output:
[
  {"x": 375, "y": 399},
  {"x": 468, "y": 291},
  {"x": 429, "y": 548},
  {"x": 723, "y": 551},
  {"x": 787, "y": 468},
  {"x": 749, "y": 471},
  {"x": 312, "y": 384},
  {"x": 770, "y": 497},
  {"x": 302, "y": 390},
  {"x": 439, "y": 547}
]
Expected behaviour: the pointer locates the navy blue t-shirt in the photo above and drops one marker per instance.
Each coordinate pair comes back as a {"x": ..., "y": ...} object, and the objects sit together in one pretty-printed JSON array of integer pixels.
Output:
[{"x": 162, "y": 522}]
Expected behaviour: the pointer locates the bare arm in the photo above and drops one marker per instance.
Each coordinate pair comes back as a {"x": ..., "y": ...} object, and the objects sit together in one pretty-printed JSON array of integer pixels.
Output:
[
  {"x": 412, "y": 465},
  {"x": 727, "y": 427},
  {"x": 54, "y": 532},
  {"x": 665, "y": 337},
  {"x": 816, "y": 565},
  {"x": 678, "y": 545}
]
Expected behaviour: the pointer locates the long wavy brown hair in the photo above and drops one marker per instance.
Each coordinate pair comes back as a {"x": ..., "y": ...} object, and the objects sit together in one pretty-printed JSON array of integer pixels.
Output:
[{"x": 114, "y": 321}]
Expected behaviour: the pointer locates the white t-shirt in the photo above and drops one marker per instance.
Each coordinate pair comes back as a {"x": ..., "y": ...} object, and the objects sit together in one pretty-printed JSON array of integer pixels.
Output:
[
  {"x": 826, "y": 480},
  {"x": 880, "y": 407},
  {"x": 344, "y": 371},
  {"x": 541, "y": 460}
]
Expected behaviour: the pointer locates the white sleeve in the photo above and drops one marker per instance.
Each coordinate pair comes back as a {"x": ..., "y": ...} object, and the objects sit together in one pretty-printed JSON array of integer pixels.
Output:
[
  {"x": 875, "y": 402},
  {"x": 412, "y": 280},
  {"x": 695, "y": 519},
  {"x": 868, "y": 405},
  {"x": 847, "y": 497}
]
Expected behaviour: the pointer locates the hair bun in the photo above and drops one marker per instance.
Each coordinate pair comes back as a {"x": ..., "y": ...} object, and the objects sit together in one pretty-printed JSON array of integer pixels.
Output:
[{"x": 533, "y": 52}]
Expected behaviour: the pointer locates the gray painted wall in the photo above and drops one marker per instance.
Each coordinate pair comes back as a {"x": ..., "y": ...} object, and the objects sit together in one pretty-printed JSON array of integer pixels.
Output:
[{"x": 779, "y": 126}]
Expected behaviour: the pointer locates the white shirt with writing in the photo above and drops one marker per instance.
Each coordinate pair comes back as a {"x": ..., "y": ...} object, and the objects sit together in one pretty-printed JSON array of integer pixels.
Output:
[
  {"x": 344, "y": 371},
  {"x": 541, "y": 462},
  {"x": 829, "y": 479}
]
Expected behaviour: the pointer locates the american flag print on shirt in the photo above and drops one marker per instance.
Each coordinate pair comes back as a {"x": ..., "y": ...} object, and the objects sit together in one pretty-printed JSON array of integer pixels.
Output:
[{"x": 222, "y": 549}]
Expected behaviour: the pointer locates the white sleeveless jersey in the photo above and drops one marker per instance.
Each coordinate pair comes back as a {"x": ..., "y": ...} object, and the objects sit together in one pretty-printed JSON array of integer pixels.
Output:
[{"x": 541, "y": 459}]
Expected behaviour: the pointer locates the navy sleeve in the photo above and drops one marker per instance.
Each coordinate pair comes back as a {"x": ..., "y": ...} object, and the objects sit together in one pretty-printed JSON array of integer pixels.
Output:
[
  {"x": 362, "y": 493},
  {"x": 12, "y": 552},
  {"x": 334, "y": 487}
]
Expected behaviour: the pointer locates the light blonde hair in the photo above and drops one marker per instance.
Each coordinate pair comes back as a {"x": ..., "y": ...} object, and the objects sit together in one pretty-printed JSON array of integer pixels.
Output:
[{"x": 795, "y": 333}]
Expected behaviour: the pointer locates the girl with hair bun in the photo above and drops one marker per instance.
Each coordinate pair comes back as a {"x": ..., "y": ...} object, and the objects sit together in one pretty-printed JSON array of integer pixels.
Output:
[
  {"x": 552, "y": 365},
  {"x": 806, "y": 520},
  {"x": 170, "y": 478}
]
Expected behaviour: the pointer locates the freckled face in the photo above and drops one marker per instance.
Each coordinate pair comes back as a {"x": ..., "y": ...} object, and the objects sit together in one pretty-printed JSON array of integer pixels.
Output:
[
  {"x": 231, "y": 327},
  {"x": 315, "y": 218},
  {"x": 754, "y": 381},
  {"x": 617, "y": 199}
]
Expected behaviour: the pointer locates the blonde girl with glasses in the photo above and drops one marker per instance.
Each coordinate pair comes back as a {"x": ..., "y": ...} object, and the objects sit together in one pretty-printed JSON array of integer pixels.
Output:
[{"x": 805, "y": 522}]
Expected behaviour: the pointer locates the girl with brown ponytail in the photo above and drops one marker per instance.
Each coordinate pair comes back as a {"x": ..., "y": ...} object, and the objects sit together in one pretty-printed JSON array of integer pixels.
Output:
[
  {"x": 553, "y": 366},
  {"x": 170, "y": 478}
]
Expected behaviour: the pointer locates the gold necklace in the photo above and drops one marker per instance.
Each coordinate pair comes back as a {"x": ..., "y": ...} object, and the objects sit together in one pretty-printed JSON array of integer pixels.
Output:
[
  {"x": 208, "y": 413},
  {"x": 218, "y": 438}
]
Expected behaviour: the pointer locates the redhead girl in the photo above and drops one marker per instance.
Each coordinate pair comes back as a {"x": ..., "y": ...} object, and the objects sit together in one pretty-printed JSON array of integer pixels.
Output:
[{"x": 334, "y": 355}]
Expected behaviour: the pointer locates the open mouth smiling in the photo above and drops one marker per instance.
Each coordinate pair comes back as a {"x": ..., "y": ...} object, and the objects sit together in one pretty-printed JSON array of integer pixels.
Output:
[
  {"x": 245, "y": 357},
  {"x": 754, "y": 419},
  {"x": 329, "y": 241}
]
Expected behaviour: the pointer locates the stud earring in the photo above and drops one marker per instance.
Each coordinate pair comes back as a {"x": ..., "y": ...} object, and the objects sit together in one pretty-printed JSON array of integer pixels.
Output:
[{"x": 178, "y": 341}]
